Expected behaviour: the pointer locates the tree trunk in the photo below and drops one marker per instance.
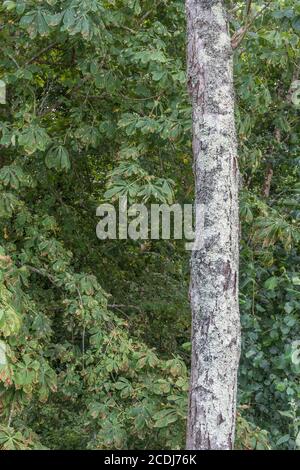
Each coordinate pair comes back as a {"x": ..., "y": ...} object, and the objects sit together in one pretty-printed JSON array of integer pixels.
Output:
[{"x": 214, "y": 265}]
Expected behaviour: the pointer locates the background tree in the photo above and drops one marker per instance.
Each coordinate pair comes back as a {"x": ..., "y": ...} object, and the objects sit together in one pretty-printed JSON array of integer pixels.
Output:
[{"x": 95, "y": 336}]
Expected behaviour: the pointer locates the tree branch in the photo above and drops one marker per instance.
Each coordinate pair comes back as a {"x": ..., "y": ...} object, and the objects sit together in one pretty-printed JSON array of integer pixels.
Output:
[
  {"x": 238, "y": 37},
  {"x": 46, "y": 49},
  {"x": 42, "y": 273},
  {"x": 249, "y": 4}
]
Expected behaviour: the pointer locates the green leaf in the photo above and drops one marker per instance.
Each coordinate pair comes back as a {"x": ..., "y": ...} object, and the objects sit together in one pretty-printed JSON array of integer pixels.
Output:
[
  {"x": 13, "y": 176},
  {"x": 164, "y": 418},
  {"x": 271, "y": 283},
  {"x": 296, "y": 280},
  {"x": 9, "y": 5},
  {"x": 35, "y": 21},
  {"x": 58, "y": 158},
  {"x": 34, "y": 138},
  {"x": 10, "y": 322},
  {"x": 283, "y": 439},
  {"x": 8, "y": 204}
]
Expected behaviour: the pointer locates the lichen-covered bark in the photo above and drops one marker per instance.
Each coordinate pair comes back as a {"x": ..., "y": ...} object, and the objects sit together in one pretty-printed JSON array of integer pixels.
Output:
[{"x": 214, "y": 267}]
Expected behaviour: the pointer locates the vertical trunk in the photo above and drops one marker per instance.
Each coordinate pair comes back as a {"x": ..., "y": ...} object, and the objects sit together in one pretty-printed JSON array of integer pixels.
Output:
[{"x": 214, "y": 266}]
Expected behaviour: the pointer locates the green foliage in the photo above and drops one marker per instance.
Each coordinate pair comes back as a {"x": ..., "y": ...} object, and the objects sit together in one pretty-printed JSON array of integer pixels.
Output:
[
  {"x": 10, "y": 439},
  {"x": 94, "y": 336},
  {"x": 58, "y": 158}
]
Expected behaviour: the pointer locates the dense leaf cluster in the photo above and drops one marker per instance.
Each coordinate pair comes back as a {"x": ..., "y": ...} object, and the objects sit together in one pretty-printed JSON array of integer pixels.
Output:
[{"x": 94, "y": 345}]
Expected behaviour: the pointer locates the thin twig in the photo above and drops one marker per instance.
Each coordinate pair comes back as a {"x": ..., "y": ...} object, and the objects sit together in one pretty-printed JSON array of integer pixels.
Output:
[
  {"x": 14, "y": 60},
  {"x": 123, "y": 306},
  {"x": 46, "y": 49},
  {"x": 11, "y": 412},
  {"x": 83, "y": 331},
  {"x": 240, "y": 34},
  {"x": 148, "y": 13},
  {"x": 42, "y": 273},
  {"x": 249, "y": 4}
]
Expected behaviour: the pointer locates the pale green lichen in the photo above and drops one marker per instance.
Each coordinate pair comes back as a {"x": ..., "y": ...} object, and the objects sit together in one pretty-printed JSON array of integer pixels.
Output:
[{"x": 218, "y": 13}]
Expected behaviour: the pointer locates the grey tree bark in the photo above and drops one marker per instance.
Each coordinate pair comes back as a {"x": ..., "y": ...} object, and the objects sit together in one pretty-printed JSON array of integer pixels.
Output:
[{"x": 214, "y": 265}]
